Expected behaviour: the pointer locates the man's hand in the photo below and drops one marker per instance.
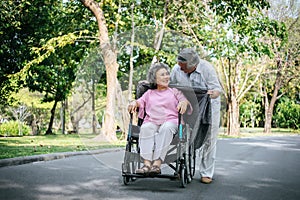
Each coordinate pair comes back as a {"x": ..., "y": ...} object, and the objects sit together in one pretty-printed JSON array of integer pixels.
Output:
[{"x": 213, "y": 94}]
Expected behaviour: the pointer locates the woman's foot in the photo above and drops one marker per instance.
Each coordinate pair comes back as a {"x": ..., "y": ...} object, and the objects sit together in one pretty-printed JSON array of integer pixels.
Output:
[
  {"x": 155, "y": 170},
  {"x": 144, "y": 170}
]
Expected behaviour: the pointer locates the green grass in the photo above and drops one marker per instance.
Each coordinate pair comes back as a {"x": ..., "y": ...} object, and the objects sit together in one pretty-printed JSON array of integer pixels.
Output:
[
  {"x": 255, "y": 132},
  {"x": 11, "y": 147}
]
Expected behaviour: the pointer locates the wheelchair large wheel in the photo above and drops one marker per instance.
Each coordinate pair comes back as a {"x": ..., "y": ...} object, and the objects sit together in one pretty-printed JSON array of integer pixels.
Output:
[
  {"x": 125, "y": 168},
  {"x": 183, "y": 176}
]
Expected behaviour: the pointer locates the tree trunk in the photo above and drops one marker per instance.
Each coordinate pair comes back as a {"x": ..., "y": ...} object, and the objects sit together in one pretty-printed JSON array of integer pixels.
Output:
[
  {"x": 94, "y": 120},
  {"x": 160, "y": 34},
  {"x": 269, "y": 106},
  {"x": 34, "y": 126},
  {"x": 121, "y": 107},
  {"x": 74, "y": 124},
  {"x": 49, "y": 130},
  {"x": 131, "y": 56},
  {"x": 233, "y": 124},
  {"x": 268, "y": 116},
  {"x": 76, "y": 116},
  {"x": 63, "y": 117},
  {"x": 111, "y": 65},
  {"x": 233, "y": 112}
]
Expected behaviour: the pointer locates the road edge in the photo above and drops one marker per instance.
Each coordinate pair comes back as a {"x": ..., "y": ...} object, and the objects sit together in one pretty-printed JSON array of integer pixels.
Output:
[{"x": 48, "y": 157}]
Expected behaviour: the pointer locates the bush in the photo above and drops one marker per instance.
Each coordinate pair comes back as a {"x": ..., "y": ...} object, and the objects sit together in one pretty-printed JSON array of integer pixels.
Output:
[
  {"x": 11, "y": 128},
  {"x": 250, "y": 111},
  {"x": 287, "y": 114}
]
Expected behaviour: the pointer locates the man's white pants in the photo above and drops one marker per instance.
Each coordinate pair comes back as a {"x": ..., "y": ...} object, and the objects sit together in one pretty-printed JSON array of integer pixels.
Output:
[{"x": 207, "y": 153}]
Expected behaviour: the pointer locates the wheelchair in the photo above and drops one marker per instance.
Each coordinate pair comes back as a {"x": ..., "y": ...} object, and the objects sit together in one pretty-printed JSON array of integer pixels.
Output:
[{"x": 180, "y": 157}]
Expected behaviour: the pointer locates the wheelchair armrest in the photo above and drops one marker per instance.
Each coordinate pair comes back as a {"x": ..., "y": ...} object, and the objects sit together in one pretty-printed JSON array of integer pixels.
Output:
[{"x": 135, "y": 131}]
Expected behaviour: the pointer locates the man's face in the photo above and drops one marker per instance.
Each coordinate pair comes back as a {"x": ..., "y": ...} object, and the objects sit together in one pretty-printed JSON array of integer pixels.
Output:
[{"x": 184, "y": 68}]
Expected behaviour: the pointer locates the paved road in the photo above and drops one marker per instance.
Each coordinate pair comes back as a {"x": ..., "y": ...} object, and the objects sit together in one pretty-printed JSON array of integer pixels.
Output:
[{"x": 262, "y": 168}]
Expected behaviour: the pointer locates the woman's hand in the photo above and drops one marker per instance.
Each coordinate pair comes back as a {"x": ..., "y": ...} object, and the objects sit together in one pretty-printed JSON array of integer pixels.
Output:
[
  {"x": 132, "y": 107},
  {"x": 182, "y": 106},
  {"x": 213, "y": 94}
]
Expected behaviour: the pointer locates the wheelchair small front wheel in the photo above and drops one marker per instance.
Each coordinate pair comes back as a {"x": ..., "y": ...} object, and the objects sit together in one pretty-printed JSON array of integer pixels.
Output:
[
  {"x": 183, "y": 176},
  {"x": 126, "y": 180}
]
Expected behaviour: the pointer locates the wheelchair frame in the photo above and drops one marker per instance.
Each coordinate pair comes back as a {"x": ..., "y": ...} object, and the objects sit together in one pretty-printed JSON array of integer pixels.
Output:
[{"x": 182, "y": 161}]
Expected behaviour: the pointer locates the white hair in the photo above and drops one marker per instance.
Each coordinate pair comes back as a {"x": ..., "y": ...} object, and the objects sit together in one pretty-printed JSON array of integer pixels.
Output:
[{"x": 188, "y": 56}]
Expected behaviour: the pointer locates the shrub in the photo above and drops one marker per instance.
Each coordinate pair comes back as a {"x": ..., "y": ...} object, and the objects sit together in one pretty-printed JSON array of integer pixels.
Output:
[
  {"x": 250, "y": 111},
  {"x": 11, "y": 128},
  {"x": 287, "y": 114}
]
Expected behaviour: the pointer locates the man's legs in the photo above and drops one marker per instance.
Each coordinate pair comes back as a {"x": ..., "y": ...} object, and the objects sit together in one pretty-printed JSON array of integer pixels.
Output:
[{"x": 207, "y": 153}]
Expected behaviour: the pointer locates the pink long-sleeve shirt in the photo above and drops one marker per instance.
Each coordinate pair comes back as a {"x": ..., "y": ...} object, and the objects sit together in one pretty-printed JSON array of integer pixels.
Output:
[{"x": 160, "y": 105}]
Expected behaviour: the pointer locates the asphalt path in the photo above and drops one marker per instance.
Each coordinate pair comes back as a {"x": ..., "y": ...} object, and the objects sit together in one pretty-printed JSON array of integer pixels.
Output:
[{"x": 266, "y": 168}]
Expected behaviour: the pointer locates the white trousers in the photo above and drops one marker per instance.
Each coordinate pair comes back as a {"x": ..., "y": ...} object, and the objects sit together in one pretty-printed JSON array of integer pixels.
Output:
[
  {"x": 155, "y": 140},
  {"x": 207, "y": 153}
]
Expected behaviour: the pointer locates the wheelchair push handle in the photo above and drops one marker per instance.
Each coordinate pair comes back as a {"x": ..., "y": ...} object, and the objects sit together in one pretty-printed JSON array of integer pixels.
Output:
[{"x": 180, "y": 127}]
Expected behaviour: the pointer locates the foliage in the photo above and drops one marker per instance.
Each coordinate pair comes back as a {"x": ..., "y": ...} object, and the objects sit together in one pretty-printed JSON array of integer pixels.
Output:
[
  {"x": 250, "y": 111},
  {"x": 20, "y": 30},
  {"x": 92, "y": 69},
  {"x": 48, "y": 49},
  {"x": 287, "y": 114},
  {"x": 12, "y": 128},
  {"x": 246, "y": 28},
  {"x": 282, "y": 72},
  {"x": 32, "y": 100},
  {"x": 53, "y": 70}
]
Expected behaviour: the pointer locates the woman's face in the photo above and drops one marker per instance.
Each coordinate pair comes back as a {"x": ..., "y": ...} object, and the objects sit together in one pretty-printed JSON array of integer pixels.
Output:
[{"x": 162, "y": 78}]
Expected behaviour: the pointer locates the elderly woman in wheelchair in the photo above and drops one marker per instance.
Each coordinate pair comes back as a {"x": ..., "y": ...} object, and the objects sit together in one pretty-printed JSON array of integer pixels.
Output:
[{"x": 159, "y": 107}]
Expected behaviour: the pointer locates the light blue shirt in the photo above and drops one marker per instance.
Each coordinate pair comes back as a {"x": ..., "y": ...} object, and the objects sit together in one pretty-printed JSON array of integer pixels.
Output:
[{"x": 204, "y": 77}]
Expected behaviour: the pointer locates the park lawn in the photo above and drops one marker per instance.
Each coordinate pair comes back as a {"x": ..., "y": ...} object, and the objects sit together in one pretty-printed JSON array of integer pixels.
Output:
[
  {"x": 258, "y": 132},
  {"x": 11, "y": 147}
]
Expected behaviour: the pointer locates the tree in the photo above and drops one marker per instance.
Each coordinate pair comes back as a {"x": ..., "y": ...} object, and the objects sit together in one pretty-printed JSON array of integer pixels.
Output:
[
  {"x": 20, "y": 30},
  {"x": 20, "y": 114},
  {"x": 111, "y": 65},
  {"x": 55, "y": 82},
  {"x": 89, "y": 75},
  {"x": 283, "y": 70},
  {"x": 52, "y": 71},
  {"x": 233, "y": 32}
]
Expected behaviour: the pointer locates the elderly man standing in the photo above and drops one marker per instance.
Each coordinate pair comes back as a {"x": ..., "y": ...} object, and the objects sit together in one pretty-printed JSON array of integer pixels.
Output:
[{"x": 194, "y": 72}]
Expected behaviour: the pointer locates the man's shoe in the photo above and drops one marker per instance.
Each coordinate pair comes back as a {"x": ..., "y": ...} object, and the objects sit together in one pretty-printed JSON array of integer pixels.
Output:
[{"x": 206, "y": 180}]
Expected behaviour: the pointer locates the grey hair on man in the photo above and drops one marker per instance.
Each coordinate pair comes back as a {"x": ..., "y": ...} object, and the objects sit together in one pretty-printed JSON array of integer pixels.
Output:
[
  {"x": 188, "y": 56},
  {"x": 151, "y": 77}
]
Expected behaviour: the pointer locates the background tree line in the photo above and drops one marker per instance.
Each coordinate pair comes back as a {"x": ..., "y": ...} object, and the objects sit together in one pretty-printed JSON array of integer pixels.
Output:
[{"x": 74, "y": 61}]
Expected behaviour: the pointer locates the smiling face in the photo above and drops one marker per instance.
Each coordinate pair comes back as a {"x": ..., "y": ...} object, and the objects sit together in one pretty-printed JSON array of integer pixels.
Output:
[{"x": 162, "y": 78}]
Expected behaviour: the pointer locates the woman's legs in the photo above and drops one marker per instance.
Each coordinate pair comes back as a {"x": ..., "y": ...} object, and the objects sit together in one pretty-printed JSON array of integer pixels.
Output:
[
  {"x": 163, "y": 139},
  {"x": 146, "y": 140},
  {"x": 154, "y": 143}
]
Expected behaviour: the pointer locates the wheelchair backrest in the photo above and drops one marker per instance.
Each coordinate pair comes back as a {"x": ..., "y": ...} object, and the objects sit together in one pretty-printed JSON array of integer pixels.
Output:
[{"x": 141, "y": 88}]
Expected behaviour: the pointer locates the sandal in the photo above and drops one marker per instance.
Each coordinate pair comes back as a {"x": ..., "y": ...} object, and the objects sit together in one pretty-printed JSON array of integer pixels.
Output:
[
  {"x": 155, "y": 170},
  {"x": 144, "y": 170}
]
